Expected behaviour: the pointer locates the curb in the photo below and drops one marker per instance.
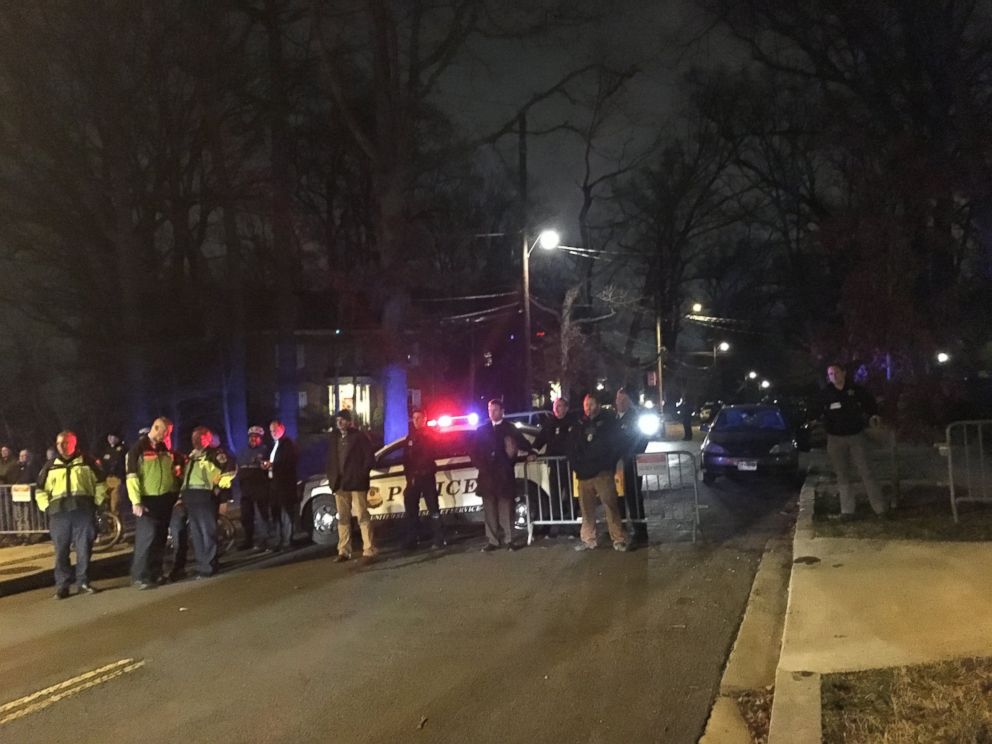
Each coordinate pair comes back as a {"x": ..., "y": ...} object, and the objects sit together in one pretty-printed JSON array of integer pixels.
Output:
[
  {"x": 753, "y": 659},
  {"x": 796, "y": 709}
]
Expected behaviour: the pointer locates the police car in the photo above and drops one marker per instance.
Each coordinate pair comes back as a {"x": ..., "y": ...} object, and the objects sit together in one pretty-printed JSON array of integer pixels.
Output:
[{"x": 457, "y": 481}]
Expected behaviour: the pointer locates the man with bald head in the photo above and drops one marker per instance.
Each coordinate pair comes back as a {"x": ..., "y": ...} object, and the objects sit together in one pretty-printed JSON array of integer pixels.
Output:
[
  {"x": 67, "y": 491},
  {"x": 152, "y": 487}
]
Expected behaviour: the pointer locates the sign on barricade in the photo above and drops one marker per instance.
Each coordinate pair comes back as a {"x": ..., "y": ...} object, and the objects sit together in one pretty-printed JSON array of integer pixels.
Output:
[
  {"x": 19, "y": 515},
  {"x": 668, "y": 487}
]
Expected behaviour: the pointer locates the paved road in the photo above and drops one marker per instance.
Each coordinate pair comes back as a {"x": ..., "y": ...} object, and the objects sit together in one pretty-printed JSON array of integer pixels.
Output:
[{"x": 545, "y": 644}]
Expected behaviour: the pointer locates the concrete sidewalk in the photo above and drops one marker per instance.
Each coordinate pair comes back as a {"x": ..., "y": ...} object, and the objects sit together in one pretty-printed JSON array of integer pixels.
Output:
[
  {"x": 859, "y": 604},
  {"x": 24, "y": 568}
]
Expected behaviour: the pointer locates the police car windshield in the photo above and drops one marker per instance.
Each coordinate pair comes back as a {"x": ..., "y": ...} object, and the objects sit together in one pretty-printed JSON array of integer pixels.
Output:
[{"x": 749, "y": 419}]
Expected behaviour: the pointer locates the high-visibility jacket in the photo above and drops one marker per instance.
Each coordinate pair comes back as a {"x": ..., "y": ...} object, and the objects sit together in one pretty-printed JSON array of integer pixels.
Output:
[
  {"x": 67, "y": 483},
  {"x": 208, "y": 469},
  {"x": 151, "y": 470}
]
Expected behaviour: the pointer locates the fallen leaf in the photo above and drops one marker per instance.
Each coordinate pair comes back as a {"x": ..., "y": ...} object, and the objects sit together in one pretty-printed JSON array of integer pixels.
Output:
[
  {"x": 184, "y": 609},
  {"x": 423, "y": 722}
]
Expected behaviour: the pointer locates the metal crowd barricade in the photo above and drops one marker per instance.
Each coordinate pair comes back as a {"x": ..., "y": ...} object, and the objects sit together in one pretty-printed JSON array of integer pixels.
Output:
[
  {"x": 968, "y": 469},
  {"x": 19, "y": 514},
  {"x": 667, "y": 489},
  {"x": 549, "y": 500}
]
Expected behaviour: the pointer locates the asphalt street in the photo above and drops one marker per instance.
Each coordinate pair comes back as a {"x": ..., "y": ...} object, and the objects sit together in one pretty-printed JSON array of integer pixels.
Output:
[{"x": 541, "y": 645}]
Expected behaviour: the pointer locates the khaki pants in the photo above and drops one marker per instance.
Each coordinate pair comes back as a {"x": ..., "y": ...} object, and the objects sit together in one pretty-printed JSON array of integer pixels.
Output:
[
  {"x": 113, "y": 486},
  {"x": 841, "y": 451},
  {"x": 602, "y": 488},
  {"x": 344, "y": 500}
]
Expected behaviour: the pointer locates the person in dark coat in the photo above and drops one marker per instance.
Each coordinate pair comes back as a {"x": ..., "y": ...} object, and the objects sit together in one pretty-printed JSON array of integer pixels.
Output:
[
  {"x": 350, "y": 457},
  {"x": 27, "y": 470},
  {"x": 553, "y": 438},
  {"x": 627, "y": 415},
  {"x": 254, "y": 484},
  {"x": 420, "y": 469},
  {"x": 494, "y": 452},
  {"x": 281, "y": 465},
  {"x": 112, "y": 460}
]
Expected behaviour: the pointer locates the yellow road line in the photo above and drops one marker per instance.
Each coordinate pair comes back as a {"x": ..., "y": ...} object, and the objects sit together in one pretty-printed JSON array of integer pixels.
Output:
[{"x": 50, "y": 695}]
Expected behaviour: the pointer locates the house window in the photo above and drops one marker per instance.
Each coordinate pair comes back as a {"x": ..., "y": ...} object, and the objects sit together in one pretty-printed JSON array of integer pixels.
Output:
[
  {"x": 302, "y": 398},
  {"x": 301, "y": 356}
]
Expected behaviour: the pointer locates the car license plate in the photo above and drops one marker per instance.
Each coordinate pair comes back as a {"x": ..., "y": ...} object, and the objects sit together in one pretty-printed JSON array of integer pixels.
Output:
[{"x": 747, "y": 465}]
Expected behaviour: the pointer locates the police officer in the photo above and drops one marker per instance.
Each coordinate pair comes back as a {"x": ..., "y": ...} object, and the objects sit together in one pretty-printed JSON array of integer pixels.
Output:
[
  {"x": 207, "y": 469},
  {"x": 420, "y": 469},
  {"x": 68, "y": 491},
  {"x": 627, "y": 415},
  {"x": 254, "y": 482},
  {"x": 847, "y": 409},
  {"x": 152, "y": 485},
  {"x": 553, "y": 437}
]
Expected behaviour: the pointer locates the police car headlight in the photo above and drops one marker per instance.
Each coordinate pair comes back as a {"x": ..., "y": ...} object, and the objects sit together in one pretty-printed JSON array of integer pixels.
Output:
[
  {"x": 783, "y": 448},
  {"x": 712, "y": 448},
  {"x": 649, "y": 424}
]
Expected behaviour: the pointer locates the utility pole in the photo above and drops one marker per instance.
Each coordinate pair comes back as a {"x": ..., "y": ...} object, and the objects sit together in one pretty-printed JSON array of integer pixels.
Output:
[
  {"x": 660, "y": 361},
  {"x": 525, "y": 252}
]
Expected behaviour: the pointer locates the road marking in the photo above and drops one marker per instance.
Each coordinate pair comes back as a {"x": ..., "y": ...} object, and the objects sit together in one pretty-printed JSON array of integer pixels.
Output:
[{"x": 41, "y": 699}]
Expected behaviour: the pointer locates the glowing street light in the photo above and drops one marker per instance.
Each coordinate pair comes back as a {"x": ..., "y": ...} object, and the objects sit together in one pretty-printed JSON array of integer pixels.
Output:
[
  {"x": 548, "y": 240},
  {"x": 765, "y": 384},
  {"x": 943, "y": 357},
  {"x": 722, "y": 346},
  {"x": 752, "y": 375},
  {"x": 697, "y": 307}
]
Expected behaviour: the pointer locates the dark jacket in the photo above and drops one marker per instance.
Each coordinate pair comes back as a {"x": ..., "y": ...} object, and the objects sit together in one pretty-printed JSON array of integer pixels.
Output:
[
  {"x": 596, "y": 445},
  {"x": 112, "y": 459},
  {"x": 846, "y": 412},
  {"x": 8, "y": 470},
  {"x": 27, "y": 472},
  {"x": 419, "y": 454},
  {"x": 250, "y": 471},
  {"x": 495, "y": 467},
  {"x": 554, "y": 435},
  {"x": 350, "y": 457},
  {"x": 282, "y": 480}
]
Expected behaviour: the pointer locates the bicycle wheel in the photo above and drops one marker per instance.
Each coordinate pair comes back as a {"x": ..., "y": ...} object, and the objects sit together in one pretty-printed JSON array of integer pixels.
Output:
[
  {"x": 109, "y": 531},
  {"x": 226, "y": 534}
]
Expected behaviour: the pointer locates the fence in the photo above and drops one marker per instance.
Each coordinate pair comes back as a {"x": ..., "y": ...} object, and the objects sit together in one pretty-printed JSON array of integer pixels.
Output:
[
  {"x": 19, "y": 515},
  {"x": 660, "y": 491},
  {"x": 968, "y": 471}
]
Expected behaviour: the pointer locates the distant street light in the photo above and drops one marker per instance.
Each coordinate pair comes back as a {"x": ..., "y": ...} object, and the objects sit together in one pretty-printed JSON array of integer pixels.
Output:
[
  {"x": 943, "y": 357},
  {"x": 600, "y": 386},
  {"x": 548, "y": 239},
  {"x": 765, "y": 384},
  {"x": 722, "y": 346},
  {"x": 752, "y": 375},
  {"x": 697, "y": 307}
]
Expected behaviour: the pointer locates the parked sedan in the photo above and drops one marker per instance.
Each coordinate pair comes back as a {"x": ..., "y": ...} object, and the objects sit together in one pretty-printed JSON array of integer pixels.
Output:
[{"x": 749, "y": 439}]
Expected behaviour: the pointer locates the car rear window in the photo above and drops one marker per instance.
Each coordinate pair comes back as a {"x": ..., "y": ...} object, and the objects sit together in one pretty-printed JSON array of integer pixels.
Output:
[{"x": 740, "y": 419}]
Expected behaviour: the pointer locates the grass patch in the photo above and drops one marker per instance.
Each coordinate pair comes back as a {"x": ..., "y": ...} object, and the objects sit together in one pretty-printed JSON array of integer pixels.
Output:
[
  {"x": 948, "y": 703},
  {"x": 924, "y": 513},
  {"x": 756, "y": 709}
]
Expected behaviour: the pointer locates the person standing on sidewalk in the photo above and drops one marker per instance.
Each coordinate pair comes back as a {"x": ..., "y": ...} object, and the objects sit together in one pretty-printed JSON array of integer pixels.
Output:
[
  {"x": 494, "y": 453},
  {"x": 420, "y": 469},
  {"x": 596, "y": 444},
  {"x": 152, "y": 486},
  {"x": 254, "y": 482},
  {"x": 847, "y": 410},
  {"x": 207, "y": 468},
  {"x": 350, "y": 457},
  {"x": 68, "y": 491},
  {"x": 8, "y": 466}
]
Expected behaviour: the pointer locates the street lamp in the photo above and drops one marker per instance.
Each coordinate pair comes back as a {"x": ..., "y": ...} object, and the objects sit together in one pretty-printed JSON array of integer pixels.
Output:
[
  {"x": 943, "y": 357},
  {"x": 549, "y": 240},
  {"x": 752, "y": 375},
  {"x": 722, "y": 346},
  {"x": 765, "y": 384},
  {"x": 697, "y": 307}
]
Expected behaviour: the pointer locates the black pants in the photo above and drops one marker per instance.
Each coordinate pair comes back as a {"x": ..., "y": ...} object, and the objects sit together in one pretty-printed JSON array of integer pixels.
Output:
[
  {"x": 179, "y": 532},
  {"x": 151, "y": 530},
  {"x": 253, "y": 496},
  {"x": 277, "y": 521},
  {"x": 417, "y": 488},
  {"x": 76, "y": 528}
]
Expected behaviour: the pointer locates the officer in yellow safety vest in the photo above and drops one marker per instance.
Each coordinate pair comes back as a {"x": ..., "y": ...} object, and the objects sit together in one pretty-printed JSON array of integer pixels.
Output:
[
  {"x": 207, "y": 470},
  {"x": 151, "y": 486},
  {"x": 67, "y": 490}
]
